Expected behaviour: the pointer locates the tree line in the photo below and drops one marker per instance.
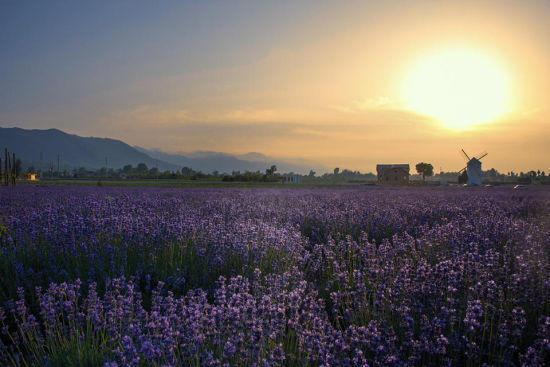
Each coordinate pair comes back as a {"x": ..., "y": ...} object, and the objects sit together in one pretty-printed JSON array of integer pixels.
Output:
[{"x": 271, "y": 174}]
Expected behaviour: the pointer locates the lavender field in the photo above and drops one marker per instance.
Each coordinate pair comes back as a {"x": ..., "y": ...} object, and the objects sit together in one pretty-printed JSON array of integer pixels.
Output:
[{"x": 98, "y": 276}]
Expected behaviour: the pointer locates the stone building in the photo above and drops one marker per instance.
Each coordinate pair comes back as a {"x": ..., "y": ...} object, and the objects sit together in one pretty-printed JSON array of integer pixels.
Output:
[
  {"x": 31, "y": 176},
  {"x": 393, "y": 174}
]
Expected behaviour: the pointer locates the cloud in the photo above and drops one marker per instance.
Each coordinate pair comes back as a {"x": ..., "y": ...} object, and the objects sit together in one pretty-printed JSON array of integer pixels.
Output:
[
  {"x": 293, "y": 133},
  {"x": 157, "y": 115},
  {"x": 368, "y": 104}
]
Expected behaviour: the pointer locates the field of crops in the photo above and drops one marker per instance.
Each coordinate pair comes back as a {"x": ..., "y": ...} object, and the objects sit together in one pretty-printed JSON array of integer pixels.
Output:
[{"x": 104, "y": 276}]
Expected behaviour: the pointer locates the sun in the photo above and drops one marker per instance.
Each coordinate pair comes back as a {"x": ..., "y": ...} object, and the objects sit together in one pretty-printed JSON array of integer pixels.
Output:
[{"x": 459, "y": 87}]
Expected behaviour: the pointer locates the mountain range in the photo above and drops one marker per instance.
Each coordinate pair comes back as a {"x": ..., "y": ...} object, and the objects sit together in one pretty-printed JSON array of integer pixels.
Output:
[
  {"x": 207, "y": 161},
  {"x": 42, "y": 149}
]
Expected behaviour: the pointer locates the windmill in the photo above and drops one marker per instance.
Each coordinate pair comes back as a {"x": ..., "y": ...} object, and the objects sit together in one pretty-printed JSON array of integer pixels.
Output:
[{"x": 473, "y": 168}]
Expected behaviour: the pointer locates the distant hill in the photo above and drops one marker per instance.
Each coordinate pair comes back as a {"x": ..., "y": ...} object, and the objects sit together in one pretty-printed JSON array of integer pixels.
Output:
[
  {"x": 206, "y": 161},
  {"x": 40, "y": 148}
]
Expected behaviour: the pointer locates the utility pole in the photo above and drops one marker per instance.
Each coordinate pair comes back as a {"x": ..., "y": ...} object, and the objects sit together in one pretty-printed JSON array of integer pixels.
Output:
[
  {"x": 14, "y": 170},
  {"x": 8, "y": 170},
  {"x": 6, "y": 163}
]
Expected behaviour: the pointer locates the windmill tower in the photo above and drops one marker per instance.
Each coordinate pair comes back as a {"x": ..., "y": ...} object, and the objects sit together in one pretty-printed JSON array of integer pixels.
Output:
[{"x": 473, "y": 169}]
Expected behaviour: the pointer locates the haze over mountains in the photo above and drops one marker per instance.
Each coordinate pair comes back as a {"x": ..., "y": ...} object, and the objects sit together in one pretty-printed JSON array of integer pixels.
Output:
[
  {"x": 41, "y": 148},
  {"x": 207, "y": 161}
]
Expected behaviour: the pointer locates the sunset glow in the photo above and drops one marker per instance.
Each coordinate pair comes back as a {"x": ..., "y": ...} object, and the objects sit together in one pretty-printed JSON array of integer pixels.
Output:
[
  {"x": 274, "y": 183},
  {"x": 337, "y": 84},
  {"x": 458, "y": 87}
]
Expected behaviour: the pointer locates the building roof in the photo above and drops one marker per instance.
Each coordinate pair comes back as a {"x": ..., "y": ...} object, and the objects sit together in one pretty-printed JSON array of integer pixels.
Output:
[{"x": 383, "y": 167}]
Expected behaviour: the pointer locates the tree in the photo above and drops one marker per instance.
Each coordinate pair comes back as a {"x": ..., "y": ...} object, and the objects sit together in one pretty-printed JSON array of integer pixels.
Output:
[
  {"x": 336, "y": 171},
  {"x": 81, "y": 172},
  {"x": 142, "y": 168},
  {"x": 127, "y": 169},
  {"x": 187, "y": 171},
  {"x": 18, "y": 167},
  {"x": 463, "y": 177},
  {"x": 271, "y": 170},
  {"x": 311, "y": 173},
  {"x": 492, "y": 173},
  {"x": 154, "y": 172},
  {"x": 425, "y": 169}
]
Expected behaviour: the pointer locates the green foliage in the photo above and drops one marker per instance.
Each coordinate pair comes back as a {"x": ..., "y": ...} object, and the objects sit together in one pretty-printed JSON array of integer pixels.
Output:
[
  {"x": 424, "y": 169},
  {"x": 184, "y": 265},
  {"x": 271, "y": 170}
]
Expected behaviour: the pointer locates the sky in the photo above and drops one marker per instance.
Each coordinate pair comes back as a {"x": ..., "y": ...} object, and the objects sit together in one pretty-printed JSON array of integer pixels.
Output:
[{"x": 345, "y": 84}]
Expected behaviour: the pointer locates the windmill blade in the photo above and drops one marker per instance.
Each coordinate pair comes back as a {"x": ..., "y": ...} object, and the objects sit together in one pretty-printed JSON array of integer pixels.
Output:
[
  {"x": 462, "y": 170},
  {"x": 465, "y": 155},
  {"x": 482, "y": 155}
]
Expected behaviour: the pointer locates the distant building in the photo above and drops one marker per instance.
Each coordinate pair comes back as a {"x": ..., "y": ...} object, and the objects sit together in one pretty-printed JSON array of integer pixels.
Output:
[
  {"x": 294, "y": 179},
  {"x": 393, "y": 174},
  {"x": 31, "y": 176}
]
